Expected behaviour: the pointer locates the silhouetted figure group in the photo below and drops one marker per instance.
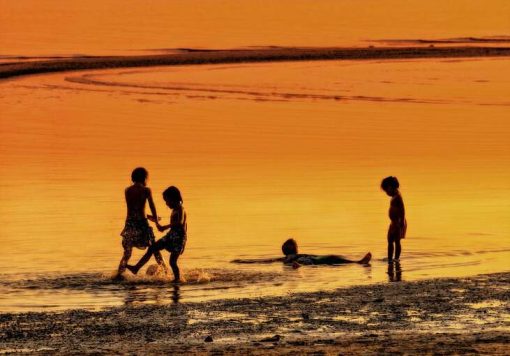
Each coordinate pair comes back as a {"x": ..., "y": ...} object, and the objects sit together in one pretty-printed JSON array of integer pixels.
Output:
[{"x": 137, "y": 232}]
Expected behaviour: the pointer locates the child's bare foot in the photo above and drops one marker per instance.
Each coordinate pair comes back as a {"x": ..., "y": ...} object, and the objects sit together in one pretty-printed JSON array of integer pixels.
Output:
[
  {"x": 132, "y": 269},
  {"x": 365, "y": 260},
  {"x": 295, "y": 265}
]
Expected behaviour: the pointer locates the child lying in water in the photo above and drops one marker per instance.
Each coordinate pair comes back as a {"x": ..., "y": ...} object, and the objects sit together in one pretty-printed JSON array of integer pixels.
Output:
[{"x": 292, "y": 257}]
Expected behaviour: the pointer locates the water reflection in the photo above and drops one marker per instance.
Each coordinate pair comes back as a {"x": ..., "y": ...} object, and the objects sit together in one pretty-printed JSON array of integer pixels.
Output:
[
  {"x": 367, "y": 271},
  {"x": 136, "y": 295},
  {"x": 394, "y": 272},
  {"x": 176, "y": 293}
]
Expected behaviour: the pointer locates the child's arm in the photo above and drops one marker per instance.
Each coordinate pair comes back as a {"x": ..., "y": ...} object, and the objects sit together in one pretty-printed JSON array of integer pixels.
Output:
[
  {"x": 401, "y": 212},
  {"x": 162, "y": 228},
  {"x": 175, "y": 220},
  {"x": 398, "y": 217},
  {"x": 152, "y": 207},
  {"x": 397, "y": 212}
]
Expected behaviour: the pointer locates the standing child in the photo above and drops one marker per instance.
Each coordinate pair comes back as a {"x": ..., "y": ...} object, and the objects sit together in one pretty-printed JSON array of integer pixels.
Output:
[
  {"x": 137, "y": 232},
  {"x": 175, "y": 240},
  {"x": 398, "y": 225}
]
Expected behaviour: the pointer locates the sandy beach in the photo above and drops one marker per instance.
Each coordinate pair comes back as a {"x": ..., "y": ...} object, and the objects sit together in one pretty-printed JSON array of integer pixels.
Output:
[{"x": 445, "y": 316}]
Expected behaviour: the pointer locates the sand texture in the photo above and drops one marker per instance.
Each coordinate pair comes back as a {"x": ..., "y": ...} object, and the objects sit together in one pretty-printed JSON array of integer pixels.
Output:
[{"x": 444, "y": 316}]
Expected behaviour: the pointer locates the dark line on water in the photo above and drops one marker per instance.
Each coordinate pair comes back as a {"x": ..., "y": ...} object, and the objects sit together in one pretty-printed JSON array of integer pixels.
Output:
[
  {"x": 458, "y": 40},
  {"x": 197, "y": 57}
]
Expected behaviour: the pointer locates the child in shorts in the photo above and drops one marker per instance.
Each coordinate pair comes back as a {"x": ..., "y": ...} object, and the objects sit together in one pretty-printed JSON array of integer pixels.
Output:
[
  {"x": 175, "y": 240},
  {"x": 137, "y": 232},
  {"x": 398, "y": 226}
]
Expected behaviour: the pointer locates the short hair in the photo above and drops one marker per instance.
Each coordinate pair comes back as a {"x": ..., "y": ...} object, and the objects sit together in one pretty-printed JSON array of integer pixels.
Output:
[
  {"x": 290, "y": 247},
  {"x": 390, "y": 182},
  {"x": 139, "y": 175},
  {"x": 172, "y": 193}
]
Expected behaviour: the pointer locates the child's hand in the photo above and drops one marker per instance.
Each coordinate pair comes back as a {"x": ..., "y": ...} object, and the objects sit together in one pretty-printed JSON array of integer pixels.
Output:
[{"x": 153, "y": 219}]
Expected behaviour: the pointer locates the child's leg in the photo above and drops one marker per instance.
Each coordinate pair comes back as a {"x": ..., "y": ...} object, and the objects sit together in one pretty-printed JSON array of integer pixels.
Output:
[
  {"x": 124, "y": 260},
  {"x": 146, "y": 257},
  {"x": 331, "y": 260},
  {"x": 338, "y": 260},
  {"x": 160, "y": 261},
  {"x": 390, "y": 250},
  {"x": 152, "y": 250},
  {"x": 365, "y": 259},
  {"x": 391, "y": 241},
  {"x": 174, "y": 256},
  {"x": 398, "y": 249}
]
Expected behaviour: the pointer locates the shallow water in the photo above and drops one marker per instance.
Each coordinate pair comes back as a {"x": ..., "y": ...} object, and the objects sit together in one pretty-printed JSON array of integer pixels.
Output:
[{"x": 261, "y": 152}]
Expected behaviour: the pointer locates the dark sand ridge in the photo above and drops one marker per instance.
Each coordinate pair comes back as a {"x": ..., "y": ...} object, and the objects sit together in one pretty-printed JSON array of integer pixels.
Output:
[
  {"x": 458, "y": 40},
  {"x": 441, "y": 316},
  {"x": 269, "y": 54}
]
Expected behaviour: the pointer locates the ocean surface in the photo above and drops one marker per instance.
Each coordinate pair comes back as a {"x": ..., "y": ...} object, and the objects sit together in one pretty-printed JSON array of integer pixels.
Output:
[
  {"x": 100, "y": 27},
  {"x": 260, "y": 151}
]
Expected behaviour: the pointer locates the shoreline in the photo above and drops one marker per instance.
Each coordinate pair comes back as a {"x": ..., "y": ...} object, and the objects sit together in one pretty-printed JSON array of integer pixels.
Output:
[
  {"x": 270, "y": 54},
  {"x": 447, "y": 315}
]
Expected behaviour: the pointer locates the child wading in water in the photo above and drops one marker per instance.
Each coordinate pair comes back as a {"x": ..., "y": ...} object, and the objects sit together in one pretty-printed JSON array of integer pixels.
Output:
[
  {"x": 175, "y": 240},
  {"x": 137, "y": 232},
  {"x": 398, "y": 225}
]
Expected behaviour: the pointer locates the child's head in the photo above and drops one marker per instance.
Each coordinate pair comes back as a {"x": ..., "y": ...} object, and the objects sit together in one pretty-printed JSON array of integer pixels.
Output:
[
  {"x": 289, "y": 247},
  {"x": 172, "y": 197},
  {"x": 139, "y": 175},
  {"x": 390, "y": 185}
]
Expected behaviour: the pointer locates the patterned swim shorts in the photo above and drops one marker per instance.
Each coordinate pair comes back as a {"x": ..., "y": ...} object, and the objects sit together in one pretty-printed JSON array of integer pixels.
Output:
[
  {"x": 174, "y": 241},
  {"x": 137, "y": 233}
]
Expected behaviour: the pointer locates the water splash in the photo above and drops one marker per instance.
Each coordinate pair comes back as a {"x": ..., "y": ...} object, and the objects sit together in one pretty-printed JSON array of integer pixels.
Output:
[{"x": 154, "y": 277}]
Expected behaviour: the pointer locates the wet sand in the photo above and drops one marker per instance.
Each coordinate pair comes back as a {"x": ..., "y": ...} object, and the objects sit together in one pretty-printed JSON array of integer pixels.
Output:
[
  {"x": 445, "y": 316},
  {"x": 270, "y": 54}
]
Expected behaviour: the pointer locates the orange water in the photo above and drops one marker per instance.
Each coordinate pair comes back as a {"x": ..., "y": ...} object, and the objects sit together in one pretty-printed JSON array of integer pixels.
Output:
[
  {"x": 56, "y": 27},
  {"x": 261, "y": 152}
]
